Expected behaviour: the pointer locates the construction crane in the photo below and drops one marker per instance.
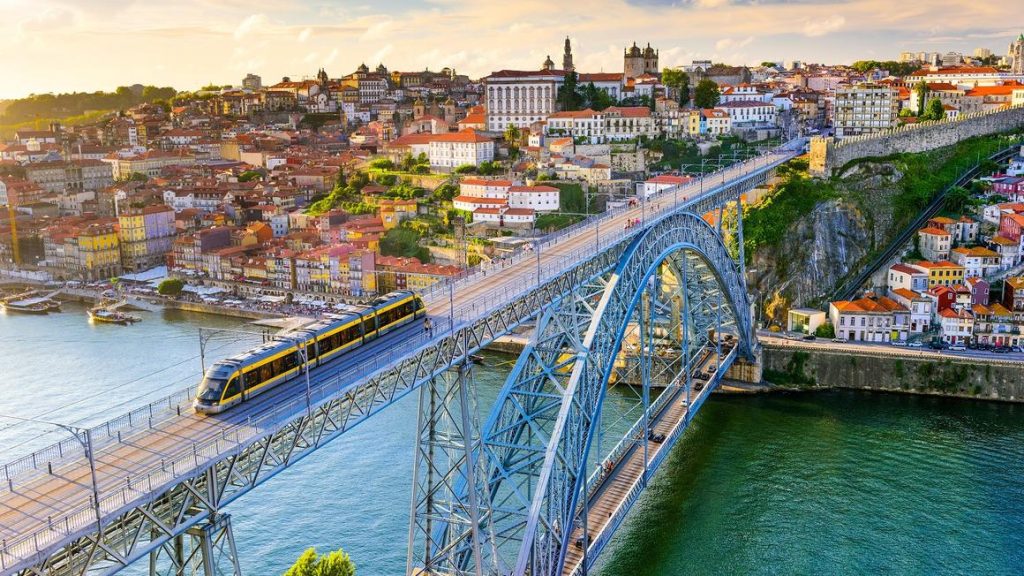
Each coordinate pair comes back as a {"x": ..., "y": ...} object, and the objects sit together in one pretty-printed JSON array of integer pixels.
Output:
[{"x": 15, "y": 249}]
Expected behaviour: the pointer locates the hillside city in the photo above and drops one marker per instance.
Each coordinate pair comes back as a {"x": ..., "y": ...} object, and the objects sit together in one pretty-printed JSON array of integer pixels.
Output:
[{"x": 312, "y": 191}]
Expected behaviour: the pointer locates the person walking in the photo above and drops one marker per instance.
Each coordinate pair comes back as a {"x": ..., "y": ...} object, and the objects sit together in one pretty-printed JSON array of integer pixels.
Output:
[{"x": 429, "y": 327}]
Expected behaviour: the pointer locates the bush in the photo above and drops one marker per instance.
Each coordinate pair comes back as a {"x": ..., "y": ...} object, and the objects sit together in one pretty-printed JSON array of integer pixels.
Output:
[
  {"x": 382, "y": 164},
  {"x": 170, "y": 287},
  {"x": 465, "y": 169},
  {"x": 387, "y": 179},
  {"x": 335, "y": 563}
]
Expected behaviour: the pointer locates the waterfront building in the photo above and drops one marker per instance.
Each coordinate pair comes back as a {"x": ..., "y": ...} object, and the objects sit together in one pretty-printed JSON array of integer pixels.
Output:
[
  {"x": 146, "y": 235},
  {"x": 870, "y": 319}
]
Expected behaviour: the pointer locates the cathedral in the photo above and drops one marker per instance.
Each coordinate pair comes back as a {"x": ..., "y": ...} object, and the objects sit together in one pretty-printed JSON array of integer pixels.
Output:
[
  {"x": 638, "y": 62},
  {"x": 567, "y": 64}
]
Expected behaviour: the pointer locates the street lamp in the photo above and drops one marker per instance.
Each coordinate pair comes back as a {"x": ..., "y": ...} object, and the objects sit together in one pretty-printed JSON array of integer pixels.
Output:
[{"x": 84, "y": 437}]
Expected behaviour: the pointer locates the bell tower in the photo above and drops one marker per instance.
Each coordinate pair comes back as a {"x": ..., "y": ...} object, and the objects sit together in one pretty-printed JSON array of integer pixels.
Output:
[{"x": 567, "y": 57}]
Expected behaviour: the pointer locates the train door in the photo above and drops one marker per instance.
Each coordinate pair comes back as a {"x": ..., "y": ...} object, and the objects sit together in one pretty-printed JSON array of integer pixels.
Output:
[{"x": 235, "y": 387}]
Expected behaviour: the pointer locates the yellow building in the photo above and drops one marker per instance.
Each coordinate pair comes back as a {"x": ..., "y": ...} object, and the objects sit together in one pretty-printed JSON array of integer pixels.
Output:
[
  {"x": 99, "y": 252},
  {"x": 944, "y": 273},
  {"x": 693, "y": 123}
]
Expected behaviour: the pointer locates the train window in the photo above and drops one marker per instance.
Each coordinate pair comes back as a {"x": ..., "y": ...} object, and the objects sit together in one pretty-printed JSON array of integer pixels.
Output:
[
  {"x": 369, "y": 325},
  {"x": 232, "y": 388}
]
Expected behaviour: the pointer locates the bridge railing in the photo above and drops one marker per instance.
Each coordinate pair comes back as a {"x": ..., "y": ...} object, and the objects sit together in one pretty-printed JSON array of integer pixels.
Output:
[{"x": 635, "y": 433}]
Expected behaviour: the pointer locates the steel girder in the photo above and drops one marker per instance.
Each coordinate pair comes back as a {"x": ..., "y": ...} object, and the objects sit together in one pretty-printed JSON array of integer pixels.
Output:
[{"x": 539, "y": 433}]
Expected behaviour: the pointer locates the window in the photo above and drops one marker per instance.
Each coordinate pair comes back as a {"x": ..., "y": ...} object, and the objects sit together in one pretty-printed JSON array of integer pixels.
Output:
[{"x": 232, "y": 388}]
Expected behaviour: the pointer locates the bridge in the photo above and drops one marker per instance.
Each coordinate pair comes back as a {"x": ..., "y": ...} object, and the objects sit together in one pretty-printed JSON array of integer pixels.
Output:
[{"x": 522, "y": 492}]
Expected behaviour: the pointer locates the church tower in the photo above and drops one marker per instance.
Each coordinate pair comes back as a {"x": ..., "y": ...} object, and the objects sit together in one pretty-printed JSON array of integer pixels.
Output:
[
  {"x": 1017, "y": 55},
  {"x": 567, "y": 57}
]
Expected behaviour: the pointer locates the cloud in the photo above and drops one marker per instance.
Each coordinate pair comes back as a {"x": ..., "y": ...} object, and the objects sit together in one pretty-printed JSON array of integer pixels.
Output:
[
  {"x": 730, "y": 44},
  {"x": 305, "y": 34},
  {"x": 48, "y": 20},
  {"x": 253, "y": 23},
  {"x": 816, "y": 28}
]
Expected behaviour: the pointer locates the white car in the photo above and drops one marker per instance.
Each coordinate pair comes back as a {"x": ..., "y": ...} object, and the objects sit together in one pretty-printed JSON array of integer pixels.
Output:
[
  {"x": 915, "y": 345},
  {"x": 957, "y": 348},
  {"x": 901, "y": 343}
]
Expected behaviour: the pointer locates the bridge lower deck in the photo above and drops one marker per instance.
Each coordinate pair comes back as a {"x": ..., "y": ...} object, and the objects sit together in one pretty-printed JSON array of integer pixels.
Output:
[{"x": 617, "y": 486}]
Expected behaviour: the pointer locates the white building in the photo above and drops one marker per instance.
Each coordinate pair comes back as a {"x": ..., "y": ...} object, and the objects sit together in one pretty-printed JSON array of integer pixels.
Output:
[
  {"x": 481, "y": 188},
  {"x": 586, "y": 125},
  {"x": 539, "y": 198},
  {"x": 865, "y": 109},
  {"x": 920, "y": 307},
  {"x": 448, "y": 151},
  {"x": 907, "y": 277},
  {"x": 745, "y": 113},
  {"x": 518, "y": 98},
  {"x": 659, "y": 183},
  {"x": 957, "y": 325}
]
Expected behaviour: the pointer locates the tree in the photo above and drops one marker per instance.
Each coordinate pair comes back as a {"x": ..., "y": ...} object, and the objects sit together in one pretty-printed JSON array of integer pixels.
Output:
[
  {"x": 512, "y": 137},
  {"x": 335, "y": 563},
  {"x": 957, "y": 200},
  {"x": 445, "y": 192},
  {"x": 934, "y": 110},
  {"x": 568, "y": 98},
  {"x": 767, "y": 64},
  {"x": 137, "y": 177},
  {"x": 382, "y": 164},
  {"x": 678, "y": 80},
  {"x": 706, "y": 95},
  {"x": 826, "y": 330},
  {"x": 170, "y": 287},
  {"x": 921, "y": 91}
]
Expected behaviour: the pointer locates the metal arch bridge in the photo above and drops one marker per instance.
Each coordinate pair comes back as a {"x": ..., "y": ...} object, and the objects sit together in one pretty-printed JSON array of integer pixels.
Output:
[{"x": 153, "y": 483}]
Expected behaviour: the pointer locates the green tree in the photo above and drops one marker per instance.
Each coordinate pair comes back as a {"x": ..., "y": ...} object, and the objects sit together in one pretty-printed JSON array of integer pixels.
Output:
[
  {"x": 678, "y": 80},
  {"x": 170, "y": 287},
  {"x": 826, "y": 330},
  {"x": 445, "y": 192},
  {"x": 767, "y": 64},
  {"x": 568, "y": 98},
  {"x": 403, "y": 242},
  {"x": 957, "y": 200},
  {"x": 382, "y": 164},
  {"x": 250, "y": 175},
  {"x": 706, "y": 94},
  {"x": 335, "y": 563},
  {"x": 921, "y": 91},
  {"x": 934, "y": 110},
  {"x": 137, "y": 177}
]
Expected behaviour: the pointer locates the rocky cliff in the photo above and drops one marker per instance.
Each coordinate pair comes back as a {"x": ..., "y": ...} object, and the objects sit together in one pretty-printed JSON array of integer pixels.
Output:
[{"x": 833, "y": 240}]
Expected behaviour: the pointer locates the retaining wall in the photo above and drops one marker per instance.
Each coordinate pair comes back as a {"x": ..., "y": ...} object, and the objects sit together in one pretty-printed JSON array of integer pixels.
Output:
[
  {"x": 829, "y": 154},
  {"x": 990, "y": 379}
]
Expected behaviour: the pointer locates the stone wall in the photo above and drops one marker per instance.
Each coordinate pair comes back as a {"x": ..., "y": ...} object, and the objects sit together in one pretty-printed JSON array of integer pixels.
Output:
[
  {"x": 828, "y": 154},
  {"x": 903, "y": 371}
]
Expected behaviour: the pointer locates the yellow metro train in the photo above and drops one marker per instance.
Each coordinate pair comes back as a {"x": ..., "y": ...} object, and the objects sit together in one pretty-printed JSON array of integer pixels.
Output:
[{"x": 236, "y": 379}]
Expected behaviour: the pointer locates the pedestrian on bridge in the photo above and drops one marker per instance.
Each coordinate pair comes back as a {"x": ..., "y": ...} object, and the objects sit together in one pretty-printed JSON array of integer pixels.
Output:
[{"x": 429, "y": 327}]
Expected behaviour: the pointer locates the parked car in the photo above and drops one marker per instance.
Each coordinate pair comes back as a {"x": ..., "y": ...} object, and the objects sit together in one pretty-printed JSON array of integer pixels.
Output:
[
  {"x": 915, "y": 345},
  {"x": 902, "y": 343},
  {"x": 810, "y": 337},
  {"x": 957, "y": 348},
  {"x": 1001, "y": 349},
  {"x": 839, "y": 340}
]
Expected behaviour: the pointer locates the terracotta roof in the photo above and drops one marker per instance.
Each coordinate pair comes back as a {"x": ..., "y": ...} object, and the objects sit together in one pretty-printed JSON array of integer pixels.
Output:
[
  {"x": 905, "y": 293},
  {"x": 933, "y": 231},
  {"x": 906, "y": 269},
  {"x": 467, "y": 136},
  {"x": 483, "y": 182},
  {"x": 475, "y": 200},
  {"x": 537, "y": 189}
]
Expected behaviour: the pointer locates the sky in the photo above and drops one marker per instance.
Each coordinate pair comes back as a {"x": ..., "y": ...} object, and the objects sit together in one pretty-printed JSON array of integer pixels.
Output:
[{"x": 86, "y": 45}]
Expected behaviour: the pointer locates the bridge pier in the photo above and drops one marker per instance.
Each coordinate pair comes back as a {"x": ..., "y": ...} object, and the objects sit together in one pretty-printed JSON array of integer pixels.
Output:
[
  {"x": 743, "y": 370},
  {"x": 207, "y": 549}
]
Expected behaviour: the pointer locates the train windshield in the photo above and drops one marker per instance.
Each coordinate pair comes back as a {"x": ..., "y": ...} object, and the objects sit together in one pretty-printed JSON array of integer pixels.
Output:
[{"x": 212, "y": 386}]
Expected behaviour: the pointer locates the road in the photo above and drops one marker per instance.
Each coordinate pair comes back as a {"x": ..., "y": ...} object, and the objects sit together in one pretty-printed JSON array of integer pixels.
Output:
[
  {"x": 880, "y": 349},
  {"x": 44, "y": 506}
]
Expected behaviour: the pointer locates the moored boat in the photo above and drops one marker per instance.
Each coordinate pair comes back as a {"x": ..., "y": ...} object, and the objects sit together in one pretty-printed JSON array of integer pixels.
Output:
[
  {"x": 111, "y": 316},
  {"x": 25, "y": 307}
]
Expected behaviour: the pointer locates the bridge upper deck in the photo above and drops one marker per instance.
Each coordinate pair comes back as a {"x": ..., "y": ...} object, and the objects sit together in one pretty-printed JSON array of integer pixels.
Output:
[{"x": 48, "y": 501}]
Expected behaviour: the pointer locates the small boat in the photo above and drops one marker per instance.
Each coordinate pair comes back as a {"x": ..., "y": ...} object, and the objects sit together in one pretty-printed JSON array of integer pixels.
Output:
[
  {"x": 25, "y": 307},
  {"x": 53, "y": 306},
  {"x": 112, "y": 317}
]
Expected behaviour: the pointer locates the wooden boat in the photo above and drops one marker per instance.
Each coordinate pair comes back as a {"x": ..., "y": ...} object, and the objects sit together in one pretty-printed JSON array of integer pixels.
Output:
[{"x": 111, "y": 317}]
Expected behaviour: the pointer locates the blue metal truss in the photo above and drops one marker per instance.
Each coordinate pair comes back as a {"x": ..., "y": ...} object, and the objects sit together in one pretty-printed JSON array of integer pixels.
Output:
[{"x": 536, "y": 441}]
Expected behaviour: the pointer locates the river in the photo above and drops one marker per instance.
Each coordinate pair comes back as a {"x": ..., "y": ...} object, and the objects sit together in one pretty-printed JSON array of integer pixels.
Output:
[{"x": 813, "y": 483}]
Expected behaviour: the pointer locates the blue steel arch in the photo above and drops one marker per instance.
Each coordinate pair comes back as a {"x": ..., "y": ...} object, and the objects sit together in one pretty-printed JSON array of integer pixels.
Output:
[{"x": 530, "y": 396}]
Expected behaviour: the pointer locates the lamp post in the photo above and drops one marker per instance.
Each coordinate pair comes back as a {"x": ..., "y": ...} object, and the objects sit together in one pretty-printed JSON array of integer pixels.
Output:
[{"x": 84, "y": 437}]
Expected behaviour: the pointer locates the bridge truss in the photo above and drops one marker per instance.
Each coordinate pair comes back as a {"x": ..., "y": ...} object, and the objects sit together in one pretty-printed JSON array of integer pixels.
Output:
[{"x": 517, "y": 493}]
